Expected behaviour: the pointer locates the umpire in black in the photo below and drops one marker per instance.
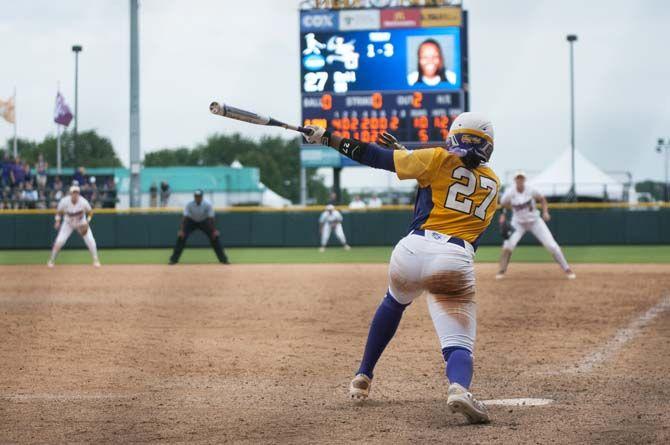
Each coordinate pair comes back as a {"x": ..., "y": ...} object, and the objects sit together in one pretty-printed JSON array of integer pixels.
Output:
[{"x": 198, "y": 214}]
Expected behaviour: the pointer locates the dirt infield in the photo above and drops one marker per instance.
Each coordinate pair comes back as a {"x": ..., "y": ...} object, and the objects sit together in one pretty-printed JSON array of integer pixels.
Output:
[{"x": 250, "y": 354}]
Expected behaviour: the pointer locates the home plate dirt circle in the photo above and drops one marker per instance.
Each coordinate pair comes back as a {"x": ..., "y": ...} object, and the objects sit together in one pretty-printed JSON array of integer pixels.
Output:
[{"x": 517, "y": 402}]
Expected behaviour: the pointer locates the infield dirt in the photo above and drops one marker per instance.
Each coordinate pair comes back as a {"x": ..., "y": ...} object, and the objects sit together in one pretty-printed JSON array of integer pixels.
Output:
[{"x": 264, "y": 354}]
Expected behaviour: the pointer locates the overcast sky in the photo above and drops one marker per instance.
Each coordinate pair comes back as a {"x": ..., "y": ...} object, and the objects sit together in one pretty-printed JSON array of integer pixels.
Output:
[{"x": 247, "y": 52}]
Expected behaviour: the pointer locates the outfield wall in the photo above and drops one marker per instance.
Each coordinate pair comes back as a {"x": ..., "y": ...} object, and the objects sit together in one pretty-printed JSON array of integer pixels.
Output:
[{"x": 254, "y": 228}]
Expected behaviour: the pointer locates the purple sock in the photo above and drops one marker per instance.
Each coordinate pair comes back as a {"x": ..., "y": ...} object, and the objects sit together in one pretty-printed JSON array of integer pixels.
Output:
[
  {"x": 459, "y": 365},
  {"x": 383, "y": 327}
]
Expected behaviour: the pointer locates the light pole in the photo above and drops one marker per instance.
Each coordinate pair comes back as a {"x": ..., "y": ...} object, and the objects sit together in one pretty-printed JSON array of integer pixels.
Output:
[
  {"x": 76, "y": 49},
  {"x": 572, "y": 38},
  {"x": 135, "y": 161},
  {"x": 665, "y": 145}
]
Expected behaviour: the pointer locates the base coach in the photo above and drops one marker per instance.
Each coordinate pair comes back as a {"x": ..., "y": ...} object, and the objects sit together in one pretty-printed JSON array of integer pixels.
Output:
[{"x": 198, "y": 215}]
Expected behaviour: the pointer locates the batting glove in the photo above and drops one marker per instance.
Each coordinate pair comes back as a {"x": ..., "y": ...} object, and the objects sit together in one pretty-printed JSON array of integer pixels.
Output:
[{"x": 318, "y": 135}]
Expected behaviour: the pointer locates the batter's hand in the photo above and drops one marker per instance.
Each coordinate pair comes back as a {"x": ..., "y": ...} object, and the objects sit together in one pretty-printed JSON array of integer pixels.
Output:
[
  {"x": 318, "y": 135},
  {"x": 180, "y": 233},
  {"x": 546, "y": 216},
  {"x": 57, "y": 225},
  {"x": 502, "y": 219},
  {"x": 387, "y": 140},
  {"x": 215, "y": 233}
]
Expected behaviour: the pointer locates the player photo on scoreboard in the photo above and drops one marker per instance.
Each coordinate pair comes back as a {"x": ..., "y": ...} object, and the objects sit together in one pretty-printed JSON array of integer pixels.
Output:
[{"x": 430, "y": 61}]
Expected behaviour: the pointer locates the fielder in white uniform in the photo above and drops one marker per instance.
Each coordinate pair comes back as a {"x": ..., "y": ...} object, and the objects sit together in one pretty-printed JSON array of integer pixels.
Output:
[
  {"x": 73, "y": 213},
  {"x": 331, "y": 221},
  {"x": 526, "y": 218}
]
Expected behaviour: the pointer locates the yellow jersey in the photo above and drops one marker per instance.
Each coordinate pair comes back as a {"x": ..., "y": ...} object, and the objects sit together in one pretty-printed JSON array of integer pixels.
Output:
[{"x": 452, "y": 199}]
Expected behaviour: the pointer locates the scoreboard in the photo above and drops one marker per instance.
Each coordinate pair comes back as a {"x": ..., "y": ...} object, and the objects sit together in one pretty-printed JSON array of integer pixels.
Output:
[{"x": 365, "y": 71}]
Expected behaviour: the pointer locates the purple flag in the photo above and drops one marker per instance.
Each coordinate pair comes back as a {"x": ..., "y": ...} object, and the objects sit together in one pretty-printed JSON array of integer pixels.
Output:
[{"x": 63, "y": 115}]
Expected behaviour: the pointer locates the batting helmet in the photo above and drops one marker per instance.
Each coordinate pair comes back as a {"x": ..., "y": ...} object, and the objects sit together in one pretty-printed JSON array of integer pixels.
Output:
[{"x": 471, "y": 138}]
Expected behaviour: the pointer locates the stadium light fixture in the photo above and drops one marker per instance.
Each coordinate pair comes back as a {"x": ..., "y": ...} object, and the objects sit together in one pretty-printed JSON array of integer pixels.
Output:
[
  {"x": 571, "y": 38},
  {"x": 76, "y": 49}
]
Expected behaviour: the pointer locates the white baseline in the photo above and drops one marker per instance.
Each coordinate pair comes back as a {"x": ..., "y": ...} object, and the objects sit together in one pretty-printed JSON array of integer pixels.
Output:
[{"x": 622, "y": 336}]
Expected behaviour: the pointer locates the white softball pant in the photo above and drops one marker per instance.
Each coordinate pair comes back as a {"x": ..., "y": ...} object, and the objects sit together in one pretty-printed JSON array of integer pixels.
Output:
[
  {"x": 446, "y": 272},
  {"x": 66, "y": 229},
  {"x": 339, "y": 233},
  {"x": 540, "y": 230}
]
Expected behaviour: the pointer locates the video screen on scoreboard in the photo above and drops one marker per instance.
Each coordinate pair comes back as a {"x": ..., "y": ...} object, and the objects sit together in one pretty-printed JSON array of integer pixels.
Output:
[
  {"x": 390, "y": 60},
  {"x": 396, "y": 70}
]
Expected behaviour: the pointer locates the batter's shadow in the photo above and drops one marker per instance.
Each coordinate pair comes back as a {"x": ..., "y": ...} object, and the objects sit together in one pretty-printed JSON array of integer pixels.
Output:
[{"x": 432, "y": 414}]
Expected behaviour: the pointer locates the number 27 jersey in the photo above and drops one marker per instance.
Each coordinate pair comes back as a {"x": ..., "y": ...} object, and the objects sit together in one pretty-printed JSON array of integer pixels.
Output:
[{"x": 452, "y": 199}]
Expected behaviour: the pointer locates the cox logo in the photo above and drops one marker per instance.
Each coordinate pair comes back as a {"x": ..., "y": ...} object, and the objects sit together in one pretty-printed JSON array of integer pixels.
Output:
[{"x": 319, "y": 21}]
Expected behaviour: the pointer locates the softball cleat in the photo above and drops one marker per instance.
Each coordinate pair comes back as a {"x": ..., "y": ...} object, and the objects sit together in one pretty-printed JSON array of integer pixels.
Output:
[
  {"x": 463, "y": 402},
  {"x": 50, "y": 264},
  {"x": 500, "y": 276},
  {"x": 96, "y": 263},
  {"x": 359, "y": 388},
  {"x": 571, "y": 275}
]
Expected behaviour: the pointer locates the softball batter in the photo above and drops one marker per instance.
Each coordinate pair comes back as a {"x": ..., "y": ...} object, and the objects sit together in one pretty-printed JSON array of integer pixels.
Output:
[
  {"x": 455, "y": 203},
  {"x": 73, "y": 213},
  {"x": 526, "y": 218}
]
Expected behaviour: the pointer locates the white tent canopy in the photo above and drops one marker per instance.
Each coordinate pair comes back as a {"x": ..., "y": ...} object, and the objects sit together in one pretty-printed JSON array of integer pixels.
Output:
[
  {"x": 269, "y": 198},
  {"x": 590, "y": 180}
]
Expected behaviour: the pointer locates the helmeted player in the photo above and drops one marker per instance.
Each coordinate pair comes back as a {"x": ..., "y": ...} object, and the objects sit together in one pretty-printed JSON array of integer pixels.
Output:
[
  {"x": 330, "y": 221},
  {"x": 522, "y": 200},
  {"x": 455, "y": 203},
  {"x": 74, "y": 213}
]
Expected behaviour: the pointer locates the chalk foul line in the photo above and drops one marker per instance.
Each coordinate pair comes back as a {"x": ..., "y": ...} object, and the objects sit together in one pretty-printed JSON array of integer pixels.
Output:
[
  {"x": 63, "y": 396},
  {"x": 622, "y": 336}
]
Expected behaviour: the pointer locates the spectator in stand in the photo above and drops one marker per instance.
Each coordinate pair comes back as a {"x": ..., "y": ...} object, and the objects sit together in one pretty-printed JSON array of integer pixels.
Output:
[
  {"x": 5, "y": 197},
  {"x": 80, "y": 176},
  {"x": 374, "y": 202},
  {"x": 27, "y": 174},
  {"x": 42, "y": 200},
  {"x": 29, "y": 196},
  {"x": 41, "y": 169},
  {"x": 332, "y": 200},
  {"x": 153, "y": 195},
  {"x": 7, "y": 166},
  {"x": 93, "y": 192},
  {"x": 56, "y": 192},
  {"x": 165, "y": 193},
  {"x": 109, "y": 194},
  {"x": 18, "y": 175},
  {"x": 86, "y": 192},
  {"x": 357, "y": 203}
]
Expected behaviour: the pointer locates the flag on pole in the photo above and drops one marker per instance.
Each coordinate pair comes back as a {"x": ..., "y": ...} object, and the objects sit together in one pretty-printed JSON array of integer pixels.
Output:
[
  {"x": 7, "y": 110},
  {"x": 62, "y": 115}
]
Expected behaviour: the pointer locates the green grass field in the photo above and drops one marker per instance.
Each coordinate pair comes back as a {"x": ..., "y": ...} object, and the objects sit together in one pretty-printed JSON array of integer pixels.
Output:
[{"x": 531, "y": 254}]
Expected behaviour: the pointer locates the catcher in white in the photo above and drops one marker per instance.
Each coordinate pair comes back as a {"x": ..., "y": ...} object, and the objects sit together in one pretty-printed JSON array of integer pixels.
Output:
[
  {"x": 525, "y": 217},
  {"x": 73, "y": 213},
  {"x": 331, "y": 221}
]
